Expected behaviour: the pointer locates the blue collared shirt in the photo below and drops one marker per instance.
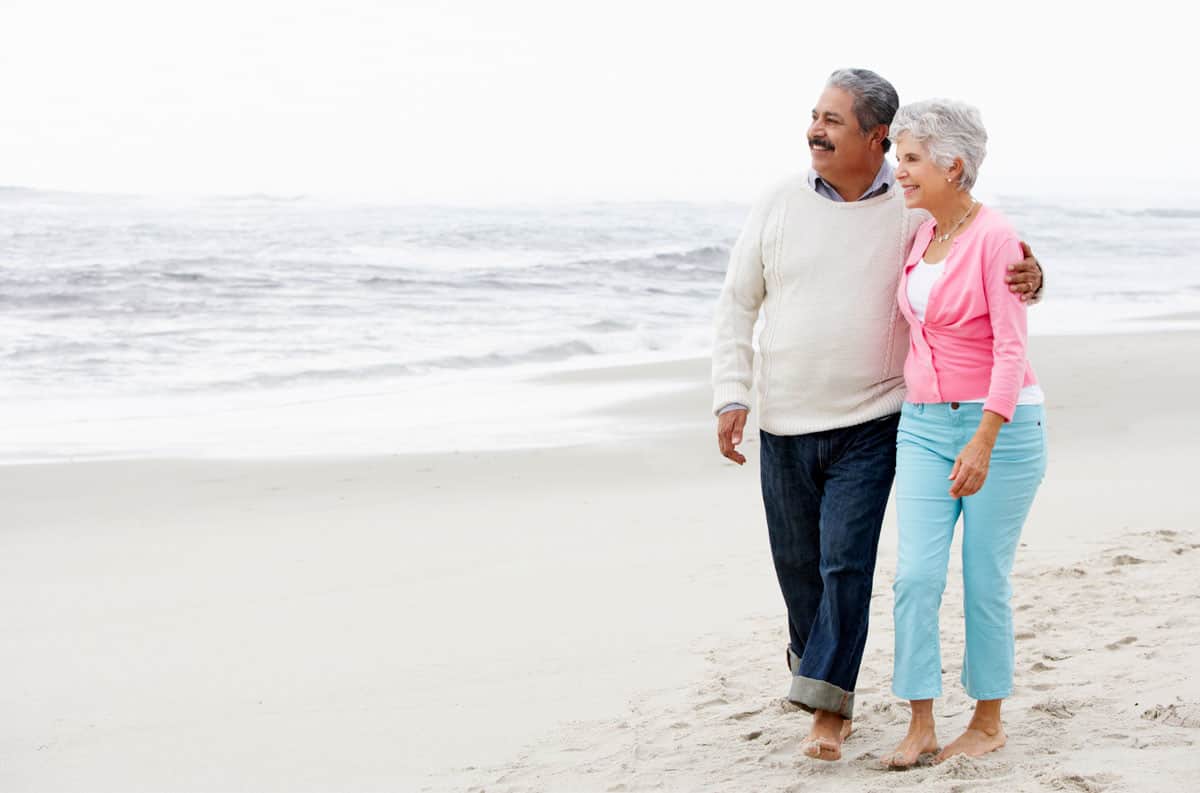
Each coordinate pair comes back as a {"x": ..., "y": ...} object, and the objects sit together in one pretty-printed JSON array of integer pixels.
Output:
[{"x": 883, "y": 180}]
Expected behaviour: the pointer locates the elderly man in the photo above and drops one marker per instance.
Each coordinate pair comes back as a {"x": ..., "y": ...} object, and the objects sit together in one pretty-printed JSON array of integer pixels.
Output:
[{"x": 821, "y": 256}]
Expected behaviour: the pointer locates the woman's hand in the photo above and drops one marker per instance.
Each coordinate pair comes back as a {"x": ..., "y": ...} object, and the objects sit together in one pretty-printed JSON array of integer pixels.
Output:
[{"x": 971, "y": 466}]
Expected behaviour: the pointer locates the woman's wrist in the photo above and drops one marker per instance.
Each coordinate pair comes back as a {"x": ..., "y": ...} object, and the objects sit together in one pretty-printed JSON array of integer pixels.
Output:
[
  {"x": 987, "y": 438},
  {"x": 989, "y": 427}
]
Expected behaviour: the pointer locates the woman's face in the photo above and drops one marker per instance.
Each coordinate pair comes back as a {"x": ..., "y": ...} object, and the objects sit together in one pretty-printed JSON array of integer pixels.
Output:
[{"x": 926, "y": 184}]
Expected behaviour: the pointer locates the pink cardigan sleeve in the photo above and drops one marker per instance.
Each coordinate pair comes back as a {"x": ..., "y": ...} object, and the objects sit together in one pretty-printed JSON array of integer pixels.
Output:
[{"x": 1009, "y": 332}]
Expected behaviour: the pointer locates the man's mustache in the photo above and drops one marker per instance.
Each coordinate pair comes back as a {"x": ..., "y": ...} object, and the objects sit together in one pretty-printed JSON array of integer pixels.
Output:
[{"x": 820, "y": 143}]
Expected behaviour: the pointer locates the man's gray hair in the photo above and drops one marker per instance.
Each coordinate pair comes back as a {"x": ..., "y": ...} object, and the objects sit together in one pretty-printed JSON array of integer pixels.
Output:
[
  {"x": 875, "y": 100},
  {"x": 948, "y": 129}
]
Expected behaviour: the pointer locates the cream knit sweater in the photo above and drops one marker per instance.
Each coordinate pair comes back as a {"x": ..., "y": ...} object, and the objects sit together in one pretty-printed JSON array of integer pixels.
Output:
[{"x": 832, "y": 342}]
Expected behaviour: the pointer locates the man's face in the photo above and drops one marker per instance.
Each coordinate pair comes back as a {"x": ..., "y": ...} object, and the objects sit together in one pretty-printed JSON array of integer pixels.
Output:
[{"x": 835, "y": 139}]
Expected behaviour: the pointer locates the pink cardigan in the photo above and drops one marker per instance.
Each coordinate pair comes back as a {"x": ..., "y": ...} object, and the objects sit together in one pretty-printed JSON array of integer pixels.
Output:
[{"x": 973, "y": 339}]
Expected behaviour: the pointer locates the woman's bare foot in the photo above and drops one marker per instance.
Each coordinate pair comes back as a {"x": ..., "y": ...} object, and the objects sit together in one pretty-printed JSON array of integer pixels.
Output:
[
  {"x": 920, "y": 740},
  {"x": 824, "y": 741},
  {"x": 974, "y": 742},
  {"x": 984, "y": 734}
]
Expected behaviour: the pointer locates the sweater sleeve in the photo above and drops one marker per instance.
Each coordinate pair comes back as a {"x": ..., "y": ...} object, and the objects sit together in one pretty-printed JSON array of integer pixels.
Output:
[
  {"x": 1009, "y": 332},
  {"x": 737, "y": 310}
]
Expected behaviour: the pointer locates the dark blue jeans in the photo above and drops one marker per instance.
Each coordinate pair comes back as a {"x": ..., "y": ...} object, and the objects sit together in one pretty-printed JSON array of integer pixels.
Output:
[{"x": 825, "y": 494}]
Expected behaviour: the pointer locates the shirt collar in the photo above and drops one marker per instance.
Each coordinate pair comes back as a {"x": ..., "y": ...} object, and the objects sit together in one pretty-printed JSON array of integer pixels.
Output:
[{"x": 883, "y": 180}]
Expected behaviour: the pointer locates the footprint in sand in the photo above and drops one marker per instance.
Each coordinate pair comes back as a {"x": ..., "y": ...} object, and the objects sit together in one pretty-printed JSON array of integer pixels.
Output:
[
  {"x": 1041, "y": 667},
  {"x": 787, "y": 706},
  {"x": 1183, "y": 715},
  {"x": 787, "y": 748},
  {"x": 1094, "y": 783},
  {"x": 962, "y": 767},
  {"x": 1119, "y": 643},
  {"x": 1058, "y": 708},
  {"x": 712, "y": 703},
  {"x": 1124, "y": 559}
]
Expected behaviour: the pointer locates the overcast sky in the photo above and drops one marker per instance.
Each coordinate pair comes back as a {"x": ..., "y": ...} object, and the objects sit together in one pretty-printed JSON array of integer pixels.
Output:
[{"x": 483, "y": 102}]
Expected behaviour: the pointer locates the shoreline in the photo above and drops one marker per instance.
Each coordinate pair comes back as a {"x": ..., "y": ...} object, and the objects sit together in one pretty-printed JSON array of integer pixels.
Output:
[{"x": 593, "y": 393}]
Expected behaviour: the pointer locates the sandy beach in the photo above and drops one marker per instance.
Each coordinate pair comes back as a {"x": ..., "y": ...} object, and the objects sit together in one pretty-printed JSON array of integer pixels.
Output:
[{"x": 600, "y": 617}]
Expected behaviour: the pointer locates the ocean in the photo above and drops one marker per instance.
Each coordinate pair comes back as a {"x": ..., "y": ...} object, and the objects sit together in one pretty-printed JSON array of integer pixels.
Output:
[{"x": 256, "y": 325}]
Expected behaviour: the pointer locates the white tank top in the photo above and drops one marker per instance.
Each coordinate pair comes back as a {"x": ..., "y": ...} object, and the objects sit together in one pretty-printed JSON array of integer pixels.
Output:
[{"x": 920, "y": 284}]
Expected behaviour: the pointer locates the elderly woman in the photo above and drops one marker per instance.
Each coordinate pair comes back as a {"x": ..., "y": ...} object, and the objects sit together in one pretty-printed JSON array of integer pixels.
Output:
[{"x": 971, "y": 438}]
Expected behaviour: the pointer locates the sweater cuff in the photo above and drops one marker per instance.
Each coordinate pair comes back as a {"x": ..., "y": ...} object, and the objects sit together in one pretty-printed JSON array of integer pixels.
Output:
[
  {"x": 1004, "y": 407},
  {"x": 728, "y": 393}
]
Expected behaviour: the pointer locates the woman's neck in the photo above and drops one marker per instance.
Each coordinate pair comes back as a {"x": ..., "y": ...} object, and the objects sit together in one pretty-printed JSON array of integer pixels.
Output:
[{"x": 949, "y": 213}]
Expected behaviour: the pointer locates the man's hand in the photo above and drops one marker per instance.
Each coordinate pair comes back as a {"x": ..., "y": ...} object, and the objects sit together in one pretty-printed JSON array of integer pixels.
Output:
[
  {"x": 729, "y": 434},
  {"x": 1025, "y": 277}
]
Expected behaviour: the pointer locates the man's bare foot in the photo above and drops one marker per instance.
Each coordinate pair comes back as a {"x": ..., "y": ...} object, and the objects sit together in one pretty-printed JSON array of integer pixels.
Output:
[
  {"x": 824, "y": 741},
  {"x": 974, "y": 742},
  {"x": 920, "y": 740}
]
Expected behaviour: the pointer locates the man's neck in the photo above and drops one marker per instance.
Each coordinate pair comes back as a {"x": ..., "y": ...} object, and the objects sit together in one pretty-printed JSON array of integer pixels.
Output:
[{"x": 852, "y": 185}]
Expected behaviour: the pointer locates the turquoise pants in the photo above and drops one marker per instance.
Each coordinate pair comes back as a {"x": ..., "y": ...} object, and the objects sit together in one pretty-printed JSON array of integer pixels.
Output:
[{"x": 929, "y": 439}]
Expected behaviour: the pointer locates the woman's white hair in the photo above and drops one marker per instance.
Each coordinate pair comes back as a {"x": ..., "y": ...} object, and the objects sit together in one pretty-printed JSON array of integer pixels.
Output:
[{"x": 948, "y": 129}]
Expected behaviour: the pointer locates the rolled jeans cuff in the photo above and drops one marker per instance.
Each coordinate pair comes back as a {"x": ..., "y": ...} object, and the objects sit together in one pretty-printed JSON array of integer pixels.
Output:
[{"x": 812, "y": 694}]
